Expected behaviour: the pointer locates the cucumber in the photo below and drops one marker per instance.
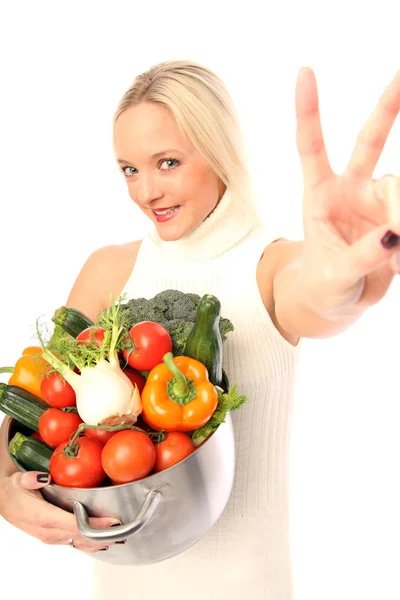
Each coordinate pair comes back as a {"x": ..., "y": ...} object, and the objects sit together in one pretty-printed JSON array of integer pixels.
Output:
[
  {"x": 22, "y": 405},
  {"x": 204, "y": 341},
  {"x": 72, "y": 320},
  {"x": 31, "y": 453}
]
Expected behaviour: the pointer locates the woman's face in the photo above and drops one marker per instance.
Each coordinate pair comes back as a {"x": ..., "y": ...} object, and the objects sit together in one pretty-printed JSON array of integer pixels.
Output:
[{"x": 167, "y": 177}]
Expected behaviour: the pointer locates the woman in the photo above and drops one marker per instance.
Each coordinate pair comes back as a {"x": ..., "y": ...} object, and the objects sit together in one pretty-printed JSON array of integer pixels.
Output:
[{"x": 178, "y": 144}]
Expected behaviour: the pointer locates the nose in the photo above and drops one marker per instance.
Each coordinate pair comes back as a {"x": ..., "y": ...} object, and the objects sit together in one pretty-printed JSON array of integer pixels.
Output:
[{"x": 146, "y": 190}]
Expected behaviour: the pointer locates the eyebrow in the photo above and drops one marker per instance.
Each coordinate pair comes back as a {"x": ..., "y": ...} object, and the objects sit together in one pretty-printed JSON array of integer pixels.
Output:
[{"x": 121, "y": 161}]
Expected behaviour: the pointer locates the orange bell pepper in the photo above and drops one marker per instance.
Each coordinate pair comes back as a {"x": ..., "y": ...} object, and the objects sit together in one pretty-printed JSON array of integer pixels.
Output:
[
  {"x": 29, "y": 371},
  {"x": 178, "y": 395}
]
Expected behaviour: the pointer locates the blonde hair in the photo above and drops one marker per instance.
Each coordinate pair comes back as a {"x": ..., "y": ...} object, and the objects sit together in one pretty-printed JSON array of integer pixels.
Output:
[{"x": 204, "y": 113}]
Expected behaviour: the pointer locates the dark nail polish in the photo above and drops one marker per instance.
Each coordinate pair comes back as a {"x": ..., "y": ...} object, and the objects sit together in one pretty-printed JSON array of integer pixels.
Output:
[
  {"x": 103, "y": 549},
  {"x": 122, "y": 542},
  {"x": 390, "y": 240},
  {"x": 42, "y": 478},
  {"x": 115, "y": 524}
]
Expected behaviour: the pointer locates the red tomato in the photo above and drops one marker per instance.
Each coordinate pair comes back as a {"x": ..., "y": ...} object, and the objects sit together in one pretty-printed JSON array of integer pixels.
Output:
[
  {"x": 129, "y": 455},
  {"x": 57, "y": 392},
  {"x": 81, "y": 471},
  {"x": 55, "y": 426},
  {"x": 100, "y": 435},
  {"x": 135, "y": 377},
  {"x": 151, "y": 341},
  {"x": 176, "y": 446},
  {"x": 91, "y": 335},
  {"x": 37, "y": 436}
]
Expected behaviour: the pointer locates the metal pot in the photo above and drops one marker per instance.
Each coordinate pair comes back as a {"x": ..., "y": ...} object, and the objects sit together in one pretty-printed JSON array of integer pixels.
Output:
[{"x": 162, "y": 514}]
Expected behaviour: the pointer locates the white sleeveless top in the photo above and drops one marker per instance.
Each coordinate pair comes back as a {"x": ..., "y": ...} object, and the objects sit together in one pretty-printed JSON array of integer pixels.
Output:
[{"x": 246, "y": 554}]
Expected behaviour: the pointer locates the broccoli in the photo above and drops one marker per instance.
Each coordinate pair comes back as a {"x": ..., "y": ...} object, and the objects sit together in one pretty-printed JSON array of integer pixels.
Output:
[
  {"x": 177, "y": 303},
  {"x": 184, "y": 310},
  {"x": 174, "y": 310},
  {"x": 225, "y": 326},
  {"x": 142, "y": 309},
  {"x": 179, "y": 331}
]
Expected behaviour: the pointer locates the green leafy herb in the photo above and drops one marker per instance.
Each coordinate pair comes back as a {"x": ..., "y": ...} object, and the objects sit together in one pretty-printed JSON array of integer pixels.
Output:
[{"x": 226, "y": 402}]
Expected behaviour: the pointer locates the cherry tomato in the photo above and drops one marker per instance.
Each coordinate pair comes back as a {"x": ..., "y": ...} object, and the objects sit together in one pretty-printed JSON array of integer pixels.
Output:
[
  {"x": 100, "y": 435},
  {"x": 81, "y": 471},
  {"x": 57, "y": 392},
  {"x": 91, "y": 335},
  {"x": 129, "y": 455},
  {"x": 37, "y": 436},
  {"x": 176, "y": 446},
  {"x": 55, "y": 426},
  {"x": 135, "y": 377},
  {"x": 151, "y": 341}
]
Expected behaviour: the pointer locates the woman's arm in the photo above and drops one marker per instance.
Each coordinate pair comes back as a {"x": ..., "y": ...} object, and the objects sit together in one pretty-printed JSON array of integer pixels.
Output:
[
  {"x": 288, "y": 306},
  {"x": 21, "y": 504},
  {"x": 103, "y": 275},
  {"x": 296, "y": 308},
  {"x": 348, "y": 258}
]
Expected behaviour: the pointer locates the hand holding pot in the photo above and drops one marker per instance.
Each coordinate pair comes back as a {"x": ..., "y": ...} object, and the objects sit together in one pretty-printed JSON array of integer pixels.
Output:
[{"x": 22, "y": 505}]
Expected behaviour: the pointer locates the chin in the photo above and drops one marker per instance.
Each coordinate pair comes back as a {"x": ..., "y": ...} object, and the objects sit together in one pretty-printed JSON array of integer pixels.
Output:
[
  {"x": 173, "y": 232},
  {"x": 169, "y": 236}
]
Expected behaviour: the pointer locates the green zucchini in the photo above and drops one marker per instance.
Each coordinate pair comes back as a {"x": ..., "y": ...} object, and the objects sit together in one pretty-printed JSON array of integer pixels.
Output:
[
  {"x": 31, "y": 453},
  {"x": 204, "y": 341},
  {"x": 22, "y": 405},
  {"x": 72, "y": 320}
]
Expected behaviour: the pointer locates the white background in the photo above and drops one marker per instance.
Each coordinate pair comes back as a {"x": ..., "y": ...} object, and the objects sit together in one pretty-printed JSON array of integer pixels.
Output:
[{"x": 64, "y": 67}]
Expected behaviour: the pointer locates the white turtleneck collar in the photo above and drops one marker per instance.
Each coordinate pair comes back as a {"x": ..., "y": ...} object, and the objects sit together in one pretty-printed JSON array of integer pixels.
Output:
[{"x": 229, "y": 223}]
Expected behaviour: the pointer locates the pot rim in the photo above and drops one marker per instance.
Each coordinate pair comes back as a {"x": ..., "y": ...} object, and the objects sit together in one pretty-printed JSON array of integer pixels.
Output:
[{"x": 150, "y": 478}]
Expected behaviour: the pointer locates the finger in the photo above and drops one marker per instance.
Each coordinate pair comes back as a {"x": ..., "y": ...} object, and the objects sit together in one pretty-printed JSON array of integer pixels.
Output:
[
  {"x": 59, "y": 537},
  {"x": 365, "y": 257},
  {"x": 309, "y": 137},
  {"x": 50, "y": 515},
  {"x": 33, "y": 480},
  {"x": 67, "y": 521},
  {"x": 85, "y": 546},
  {"x": 387, "y": 191},
  {"x": 55, "y": 536},
  {"x": 373, "y": 135},
  {"x": 395, "y": 261}
]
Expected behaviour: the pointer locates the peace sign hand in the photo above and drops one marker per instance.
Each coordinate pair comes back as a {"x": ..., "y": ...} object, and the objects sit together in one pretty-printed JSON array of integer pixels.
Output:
[{"x": 345, "y": 265}]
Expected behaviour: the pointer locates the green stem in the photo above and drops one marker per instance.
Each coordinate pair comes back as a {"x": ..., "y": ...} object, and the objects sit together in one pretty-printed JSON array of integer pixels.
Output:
[
  {"x": 180, "y": 383},
  {"x": 16, "y": 443},
  {"x": 6, "y": 369},
  {"x": 72, "y": 378},
  {"x": 179, "y": 389},
  {"x": 72, "y": 449}
]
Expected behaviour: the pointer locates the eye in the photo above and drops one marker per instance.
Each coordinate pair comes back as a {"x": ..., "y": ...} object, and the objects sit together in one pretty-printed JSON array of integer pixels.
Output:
[
  {"x": 131, "y": 171},
  {"x": 127, "y": 171},
  {"x": 170, "y": 160}
]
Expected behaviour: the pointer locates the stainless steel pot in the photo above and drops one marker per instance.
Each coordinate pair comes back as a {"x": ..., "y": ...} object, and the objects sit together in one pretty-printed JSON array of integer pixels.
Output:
[{"x": 162, "y": 514}]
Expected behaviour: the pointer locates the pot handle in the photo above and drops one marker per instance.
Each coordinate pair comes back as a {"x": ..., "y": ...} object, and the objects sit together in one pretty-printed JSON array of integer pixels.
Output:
[{"x": 121, "y": 532}]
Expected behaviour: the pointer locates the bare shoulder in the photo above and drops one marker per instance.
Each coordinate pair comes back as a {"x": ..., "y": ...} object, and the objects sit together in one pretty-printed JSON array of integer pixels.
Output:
[
  {"x": 275, "y": 257},
  {"x": 104, "y": 274}
]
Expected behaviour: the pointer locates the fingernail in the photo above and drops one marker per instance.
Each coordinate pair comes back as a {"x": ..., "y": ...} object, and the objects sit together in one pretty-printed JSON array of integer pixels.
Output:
[
  {"x": 390, "y": 240},
  {"x": 42, "y": 478},
  {"x": 102, "y": 549},
  {"x": 122, "y": 542},
  {"x": 115, "y": 524}
]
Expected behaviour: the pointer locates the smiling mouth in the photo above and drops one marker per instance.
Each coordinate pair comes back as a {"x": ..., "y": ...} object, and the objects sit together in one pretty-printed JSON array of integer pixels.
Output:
[
  {"x": 166, "y": 211},
  {"x": 163, "y": 215}
]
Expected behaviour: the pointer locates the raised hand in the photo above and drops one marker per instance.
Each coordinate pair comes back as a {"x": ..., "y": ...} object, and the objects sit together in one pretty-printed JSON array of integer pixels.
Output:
[{"x": 351, "y": 221}]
